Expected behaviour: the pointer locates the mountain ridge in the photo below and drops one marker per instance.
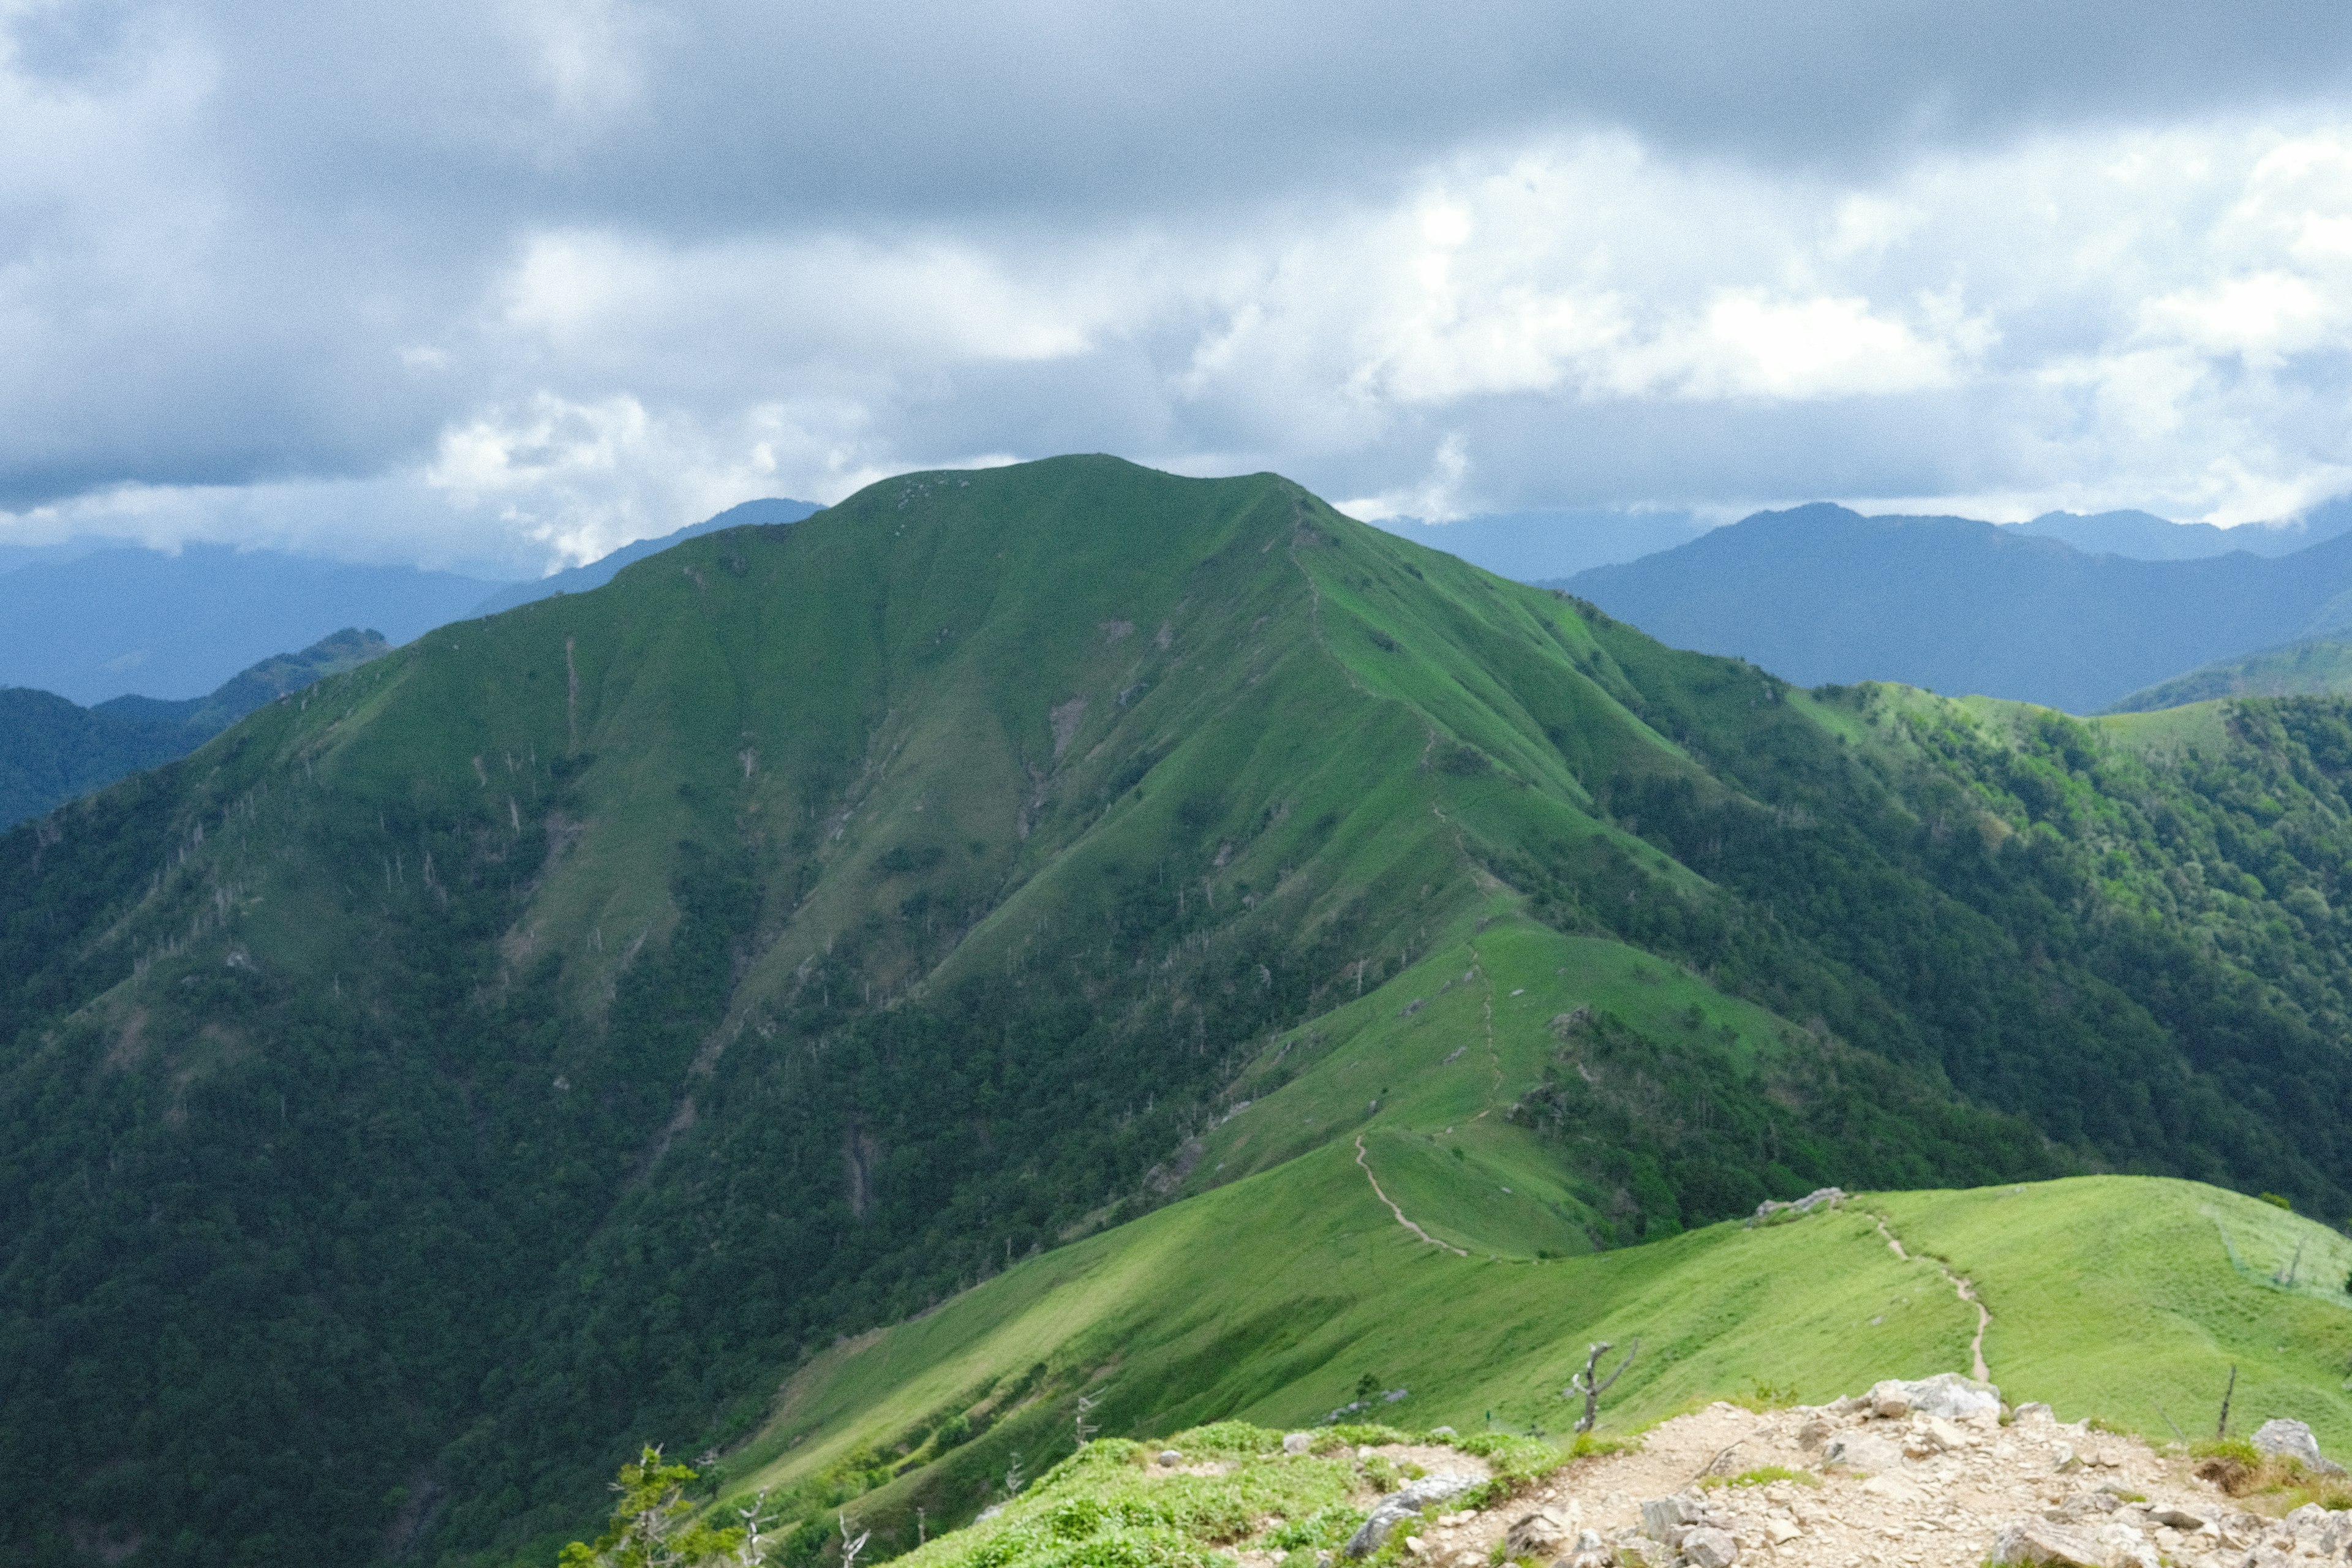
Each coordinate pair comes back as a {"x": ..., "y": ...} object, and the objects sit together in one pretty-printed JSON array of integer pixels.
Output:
[{"x": 552, "y": 1034}]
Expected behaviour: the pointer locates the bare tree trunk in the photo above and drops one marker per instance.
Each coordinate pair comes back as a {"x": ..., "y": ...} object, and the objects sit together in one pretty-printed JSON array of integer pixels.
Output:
[{"x": 1590, "y": 1383}]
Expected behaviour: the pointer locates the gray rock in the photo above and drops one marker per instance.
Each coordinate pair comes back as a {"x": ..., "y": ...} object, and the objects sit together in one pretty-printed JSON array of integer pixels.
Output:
[
  {"x": 1819, "y": 1198},
  {"x": 1951, "y": 1396},
  {"x": 1540, "y": 1534},
  {"x": 2292, "y": 1440},
  {"x": 2035, "y": 1410},
  {"x": 2035, "y": 1541},
  {"x": 1862, "y": 1451},
  {"x": 1298, "y": 1442},
  {"x": 1708, "y": 1547},
  {"x": 1661, "y": 1517},
  {"x": 1171, "y": 1456},
  {"x": 1402, "y": 1504}
]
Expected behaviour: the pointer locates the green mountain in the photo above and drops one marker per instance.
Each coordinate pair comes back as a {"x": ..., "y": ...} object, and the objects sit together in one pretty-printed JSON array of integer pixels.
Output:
[
  {"x": 551, "y": 1035},
  {"x": 2318, "y": 665},
  {"x": 52, "y": 749}
]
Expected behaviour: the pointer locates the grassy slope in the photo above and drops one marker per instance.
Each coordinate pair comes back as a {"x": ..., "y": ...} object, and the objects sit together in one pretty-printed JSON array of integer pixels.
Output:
[
  {"x": 2298, "y": 669},
  {"x": 2111, "y": 1295}
]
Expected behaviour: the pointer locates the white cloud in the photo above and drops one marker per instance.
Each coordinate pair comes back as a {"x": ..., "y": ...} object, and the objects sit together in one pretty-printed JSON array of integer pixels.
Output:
[{"x": 270, "y": 277}]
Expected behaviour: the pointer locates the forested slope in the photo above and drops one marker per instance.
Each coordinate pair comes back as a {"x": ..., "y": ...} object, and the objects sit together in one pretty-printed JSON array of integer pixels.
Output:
[{"x": 546, "y": 1037}]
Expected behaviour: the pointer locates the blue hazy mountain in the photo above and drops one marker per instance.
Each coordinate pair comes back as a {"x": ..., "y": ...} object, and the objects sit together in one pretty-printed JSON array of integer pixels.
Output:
[
  {"x": 124, "y": 618},
  {"x": 1819, "y": 594},
  {"x": 1533, "y": 546},
  {"x": 596, "y": 574},
  {"x": 52, "y": 750},
  {"x": 2144, "y": 536}
]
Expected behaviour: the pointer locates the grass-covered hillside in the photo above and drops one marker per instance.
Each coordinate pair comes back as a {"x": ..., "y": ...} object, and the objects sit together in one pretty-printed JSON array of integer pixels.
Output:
[
  {"x": 2318, "y": 666},
  {"x": 549, "y": 1038},
  {"x": 2125, "y": 1300}
]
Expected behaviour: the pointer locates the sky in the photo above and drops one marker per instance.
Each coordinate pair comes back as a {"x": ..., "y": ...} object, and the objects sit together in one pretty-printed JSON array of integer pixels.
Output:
[{"x": 499, "y": 286}]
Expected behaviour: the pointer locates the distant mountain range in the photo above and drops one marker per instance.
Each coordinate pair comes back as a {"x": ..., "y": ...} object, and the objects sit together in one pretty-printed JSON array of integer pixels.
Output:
[
  {"x": 52, "y": 750},
  {"x": 92, "y": 620},
  {"x": 1547, "y": 546},
  {"x": 1534, "y": 545},
  {"x": 1819, "y": 594},
  {"x": 2144, "y": 536}
]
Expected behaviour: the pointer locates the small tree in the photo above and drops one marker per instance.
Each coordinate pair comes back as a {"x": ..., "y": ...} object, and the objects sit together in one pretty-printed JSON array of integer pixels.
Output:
[
  {"x": 653, "y": 1525},
  {"x": 1588, "y": 1383}
]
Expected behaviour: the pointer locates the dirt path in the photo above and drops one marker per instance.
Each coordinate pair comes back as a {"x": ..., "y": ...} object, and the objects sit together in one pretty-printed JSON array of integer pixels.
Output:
[
  {"x": 1393, "y": 1207},
  {"x": 1962, "y": 1287}
]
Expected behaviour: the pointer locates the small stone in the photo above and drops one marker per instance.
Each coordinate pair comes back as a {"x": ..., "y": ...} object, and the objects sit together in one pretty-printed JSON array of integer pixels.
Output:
[
  {"x": 1780, "y": 1531},
  {"x": 1297, "y": 1442},
  {"x": 1894, "y": 1488},
  {"x": 1171, "y": 1456},
  {"x": 1414, "y": 1544},
  {"x": 1661, "y": 1517},
  {"x": 1708, "y": 1548},
  {"x": 1890, "y": 1399},
  {"x": 2035, "y": 1410}
]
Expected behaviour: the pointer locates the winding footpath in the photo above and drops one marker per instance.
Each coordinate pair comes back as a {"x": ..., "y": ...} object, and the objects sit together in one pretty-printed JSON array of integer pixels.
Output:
[
  {"x": 1962, "y": 1287},
  {"x": 1383, "y": 1196}
]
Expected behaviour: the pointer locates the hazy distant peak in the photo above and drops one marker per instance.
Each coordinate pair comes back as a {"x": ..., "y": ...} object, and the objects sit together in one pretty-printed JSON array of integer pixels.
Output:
[{"x": 768, "y": 511}]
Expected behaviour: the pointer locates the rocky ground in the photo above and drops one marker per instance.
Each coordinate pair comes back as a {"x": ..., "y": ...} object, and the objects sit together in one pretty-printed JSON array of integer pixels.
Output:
[{"x": 1915, "y": 1475}]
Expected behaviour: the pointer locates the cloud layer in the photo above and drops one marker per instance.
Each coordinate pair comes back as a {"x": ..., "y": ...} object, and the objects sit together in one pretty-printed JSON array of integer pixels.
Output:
[{"x": 506, "y": 285}]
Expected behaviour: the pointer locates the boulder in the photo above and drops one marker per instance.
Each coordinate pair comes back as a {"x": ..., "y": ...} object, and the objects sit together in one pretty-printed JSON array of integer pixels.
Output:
[
  {"x": 2292, "y": 1440},
  {"x": 1705, "y": 1547},
  {"x": 2036, "y": 1541},
  {"x": 1298, "y": 1442},
  {"x": 1953, "y": 1397},
  {"x": 1402, "y": 1504},
  {"x": 1169, "y": 1456}
]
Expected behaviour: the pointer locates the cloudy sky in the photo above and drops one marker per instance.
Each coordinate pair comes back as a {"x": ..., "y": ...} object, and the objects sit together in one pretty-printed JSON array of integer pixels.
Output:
[{"x": 504, "y": 283}]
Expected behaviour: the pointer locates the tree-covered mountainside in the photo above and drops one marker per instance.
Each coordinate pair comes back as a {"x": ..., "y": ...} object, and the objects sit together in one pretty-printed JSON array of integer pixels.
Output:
[
  {"x": 51, "y": 751},
  {"x": 1822, "y": 593},
  {"x": 544, "y": 1038}
]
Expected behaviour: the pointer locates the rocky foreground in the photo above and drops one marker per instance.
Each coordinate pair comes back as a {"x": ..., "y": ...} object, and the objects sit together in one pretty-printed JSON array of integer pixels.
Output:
[{"x": 1914, "y": 1474}]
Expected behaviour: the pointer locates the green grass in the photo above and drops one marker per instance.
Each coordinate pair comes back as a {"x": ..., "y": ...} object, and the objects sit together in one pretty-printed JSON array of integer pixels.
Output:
[
  {"x": 2110, "y": 1295},
  {"x": 2294, "y": 669},
  {"x": 2128, "y": 1300}
]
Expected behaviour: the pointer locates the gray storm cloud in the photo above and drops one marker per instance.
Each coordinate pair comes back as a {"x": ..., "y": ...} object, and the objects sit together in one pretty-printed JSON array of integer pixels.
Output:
[{"x": 510, "y": 283}]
